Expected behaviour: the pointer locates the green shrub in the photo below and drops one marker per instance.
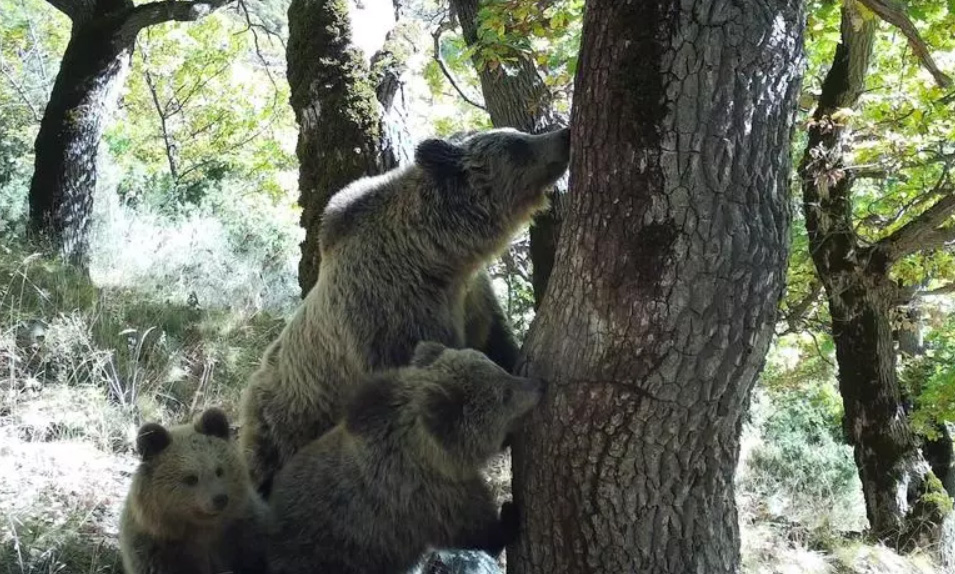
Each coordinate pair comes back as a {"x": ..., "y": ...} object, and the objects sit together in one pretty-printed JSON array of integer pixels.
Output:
[
  {"x": 930, "y": 379},
  {"x": 804, "y": 447},
  {"x": 16, "y": 162},
  {"x": 801, "y": 472}
]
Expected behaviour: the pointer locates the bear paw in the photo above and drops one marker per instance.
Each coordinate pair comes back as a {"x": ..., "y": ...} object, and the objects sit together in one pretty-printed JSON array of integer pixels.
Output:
[
  {"x": 510, "y": 522},
  {"x": 508, "y": 441}
]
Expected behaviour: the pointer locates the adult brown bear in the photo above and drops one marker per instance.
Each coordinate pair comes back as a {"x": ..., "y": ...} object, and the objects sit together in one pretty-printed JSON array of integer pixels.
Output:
[{"x": 403, "y": 257}]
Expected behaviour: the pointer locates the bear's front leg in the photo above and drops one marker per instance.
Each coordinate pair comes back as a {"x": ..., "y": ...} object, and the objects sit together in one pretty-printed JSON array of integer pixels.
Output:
[
  {"x": 490, "y": 533},
  {"x": 486, "y": 326}
]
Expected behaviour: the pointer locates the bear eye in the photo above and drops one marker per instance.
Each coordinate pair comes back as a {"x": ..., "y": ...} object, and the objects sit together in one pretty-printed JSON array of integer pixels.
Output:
[
  {"x": 191, "y": 480},
  {"x": 219, "y": 471},
  {"x": 508, "y": 395}
]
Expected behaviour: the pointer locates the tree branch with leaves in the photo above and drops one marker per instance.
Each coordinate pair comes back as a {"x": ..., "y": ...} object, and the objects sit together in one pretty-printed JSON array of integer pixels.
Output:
[{"x": 931, "y": 229}]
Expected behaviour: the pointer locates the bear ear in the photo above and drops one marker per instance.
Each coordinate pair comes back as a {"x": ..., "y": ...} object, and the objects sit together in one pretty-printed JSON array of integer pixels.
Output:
[
  {"x": 440, "y": 158},
  {"x": 426, "y": 353},
  {"x": 213, "y": 422},
  {"x": 151, "y": 440}
]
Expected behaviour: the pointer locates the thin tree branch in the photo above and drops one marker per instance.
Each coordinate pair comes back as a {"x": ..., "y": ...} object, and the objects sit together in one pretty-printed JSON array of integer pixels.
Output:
[
  {"x": 893, "y": 165},
  {"x": 875, "y": 219},
  {"x": 939, "y": 238},
  {"x": 179, "y": 101},
  {"x": 154, "y": 13},
  {"x": 868, "y": 171},
  {"x": 251, "y": 26},
  {"x": 168, "y": 144},
  {"x": 513, "y": 268},
  {"x": 236, "y": 145},
  {"x": 798, "y": 311},
  {"x": 161, "y": 110},
  {"x": 895, "y": 14},
  {"x": 943, "y": 290},
  {"x": 444, "y": 68},
  {"x": 819, "y": 351},
  {"x": 216, "y": 121},
  {"x": 21, "y": 92},
  {"x": 36, "y": 53},
  {"x": 922, "y": 233}
]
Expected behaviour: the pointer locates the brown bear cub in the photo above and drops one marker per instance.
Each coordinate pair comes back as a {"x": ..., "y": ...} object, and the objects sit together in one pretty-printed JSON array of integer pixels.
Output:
[
  {"x": 191, "y": 508},
  {"x": 402, "y": 472},
  {"x": 402, "y": 261}
]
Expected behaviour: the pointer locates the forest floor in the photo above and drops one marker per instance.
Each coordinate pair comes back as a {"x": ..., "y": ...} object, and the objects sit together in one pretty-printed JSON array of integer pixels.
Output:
[{"x": 81, "y": 367}]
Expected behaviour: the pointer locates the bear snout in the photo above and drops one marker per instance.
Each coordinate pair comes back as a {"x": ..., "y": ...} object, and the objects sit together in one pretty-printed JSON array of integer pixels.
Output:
[
  {"x": 220, "y": 501},
  {"x": 557, "y": 152},
  {"x": 561, "y": 140},
  {"x": 564, "y": 135},
  {"x": 536, "y": 385},
  {"x": 532, "y": 388}
]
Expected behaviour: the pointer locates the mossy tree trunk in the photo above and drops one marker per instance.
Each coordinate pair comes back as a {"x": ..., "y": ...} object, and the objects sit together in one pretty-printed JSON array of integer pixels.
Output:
[
  {"x": 91, "y": 75},
  {"x": 519, "y": 99},
  {"x": 904, "y": 501},
  {"x": 669, "y": 268},
  {"x": 334, "y": 95}
]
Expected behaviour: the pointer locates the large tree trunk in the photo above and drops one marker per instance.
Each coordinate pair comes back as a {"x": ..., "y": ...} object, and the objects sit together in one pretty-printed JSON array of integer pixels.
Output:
[
  {"x": 519, "y": 99},
  {"x": 669, "y": 269},
  {"x": 92, "y": 72},
  {"x": 895, "y": 476},
  {"x": 333, "y": 95}
]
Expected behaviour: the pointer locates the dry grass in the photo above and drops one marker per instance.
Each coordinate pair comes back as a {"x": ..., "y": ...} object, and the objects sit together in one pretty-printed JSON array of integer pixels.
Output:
[{"x": 61, "y": 502}]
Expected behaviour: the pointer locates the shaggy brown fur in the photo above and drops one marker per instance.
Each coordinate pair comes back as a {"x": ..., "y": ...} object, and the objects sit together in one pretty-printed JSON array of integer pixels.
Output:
[
  {"x": 402, "y": 262},
  {"x": 402, "y": 473},
  {"x": 191, "y": 508}
]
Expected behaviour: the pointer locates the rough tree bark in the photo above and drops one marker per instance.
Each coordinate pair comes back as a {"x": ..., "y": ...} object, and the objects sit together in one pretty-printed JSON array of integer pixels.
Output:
[
  {"x": 336, "y": 104},
  {"x": 84, "y": 94},
  {"x": 669, "y": 269},
  {"x": 897, "y": 481},
  {"x": 519, "y": 99}
]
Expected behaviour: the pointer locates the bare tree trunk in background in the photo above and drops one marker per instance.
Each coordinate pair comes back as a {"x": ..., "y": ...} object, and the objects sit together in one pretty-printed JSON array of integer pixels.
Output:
[
  {"x": 519, "y": 99},
  {"x": 336, "y": 102},
  {"x": 669, "y": 268},
  {"x": 901, "y": 492},
  {"x": 92, "y": 72}
]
